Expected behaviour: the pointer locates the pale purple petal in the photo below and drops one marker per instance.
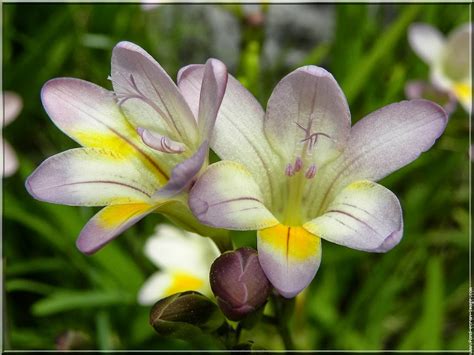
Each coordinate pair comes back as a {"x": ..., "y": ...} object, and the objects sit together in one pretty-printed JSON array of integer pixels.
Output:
[
  {"x": 364, "y": 216},
  {"x": 426, "y": 41},
  {"x": 238, "y": 133},
  {"x": 227, "y": 196},
  {"x": 382, "y": 142},
  {"x": 12, "y": 106},
  {"x": 10, "y": 161},
  {"x": 108, "y": 224},
  {"x": 308, "y": 116},
  {"x": 91, "y": 177},
  {"x": 213, "y": 87},
  {"x": 189, "y": 80},
  {"x": 148, "y": 96},
  {"x": 82, "y": 109},
  {"x": 184, "y": 173},
  {"x": 393, "y": 137},
  {"x": 89, "y": 114},
  {"x": 289, "y": 256}
]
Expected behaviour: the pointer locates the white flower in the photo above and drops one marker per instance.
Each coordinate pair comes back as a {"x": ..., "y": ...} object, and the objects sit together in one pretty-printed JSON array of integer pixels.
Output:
[
  {"x": 448, "y": 58},
  {"x": 184, "y": 260}
]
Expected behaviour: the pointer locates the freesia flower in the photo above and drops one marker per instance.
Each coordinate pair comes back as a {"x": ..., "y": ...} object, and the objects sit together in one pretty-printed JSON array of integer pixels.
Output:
[
  {"x": 142, "y": 145},
  {"x": 12, "y": 107},
  {"x": 184, "y": 260},
  {"x": 448, "y": 58},
  {"x": 299, "y": 173}
]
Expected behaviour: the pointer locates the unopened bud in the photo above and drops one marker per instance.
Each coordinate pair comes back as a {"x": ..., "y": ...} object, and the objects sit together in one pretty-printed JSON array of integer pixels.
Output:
[
  {"x": 239, "y": 283},
  {"x": 180, "y": 315}
]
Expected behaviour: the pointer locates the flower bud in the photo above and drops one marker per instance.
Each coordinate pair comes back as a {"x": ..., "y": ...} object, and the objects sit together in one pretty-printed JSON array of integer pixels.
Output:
[
  {"x": 185, "y": 314},
  {"x": 239, "y": 283}
]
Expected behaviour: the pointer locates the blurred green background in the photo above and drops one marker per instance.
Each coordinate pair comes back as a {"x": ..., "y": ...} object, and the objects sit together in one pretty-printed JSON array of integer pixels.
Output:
[{"x": 414, "y": 297}]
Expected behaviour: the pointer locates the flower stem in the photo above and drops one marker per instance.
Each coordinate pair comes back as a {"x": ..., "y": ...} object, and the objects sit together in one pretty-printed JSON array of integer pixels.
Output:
[{"x": 283, "y": 311}]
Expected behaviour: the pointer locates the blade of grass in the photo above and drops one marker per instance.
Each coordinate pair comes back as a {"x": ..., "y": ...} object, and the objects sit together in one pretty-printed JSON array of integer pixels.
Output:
[
  {"x": 63, "y": 301},
  {"x": 354, "y": 83}
]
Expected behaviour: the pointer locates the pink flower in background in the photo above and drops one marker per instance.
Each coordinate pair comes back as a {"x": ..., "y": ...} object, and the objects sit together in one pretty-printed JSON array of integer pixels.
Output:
[
  {"x": 12, "y": 107},
  {"x": 299, "y": 173}
]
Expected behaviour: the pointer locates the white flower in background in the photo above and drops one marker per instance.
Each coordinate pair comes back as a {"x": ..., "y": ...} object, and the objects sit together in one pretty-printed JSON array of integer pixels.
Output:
[
  {"x": 12, "y": 107},
  {"x": 448, "y": 58},
  {"x": 184, "y": 260}
]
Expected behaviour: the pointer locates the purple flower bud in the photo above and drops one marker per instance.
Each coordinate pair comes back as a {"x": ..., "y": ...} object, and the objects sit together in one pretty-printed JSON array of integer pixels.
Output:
[{"x": 239, "y": 283}]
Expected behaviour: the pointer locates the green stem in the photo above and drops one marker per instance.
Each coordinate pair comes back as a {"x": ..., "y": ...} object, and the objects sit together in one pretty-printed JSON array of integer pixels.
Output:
[
  {"x": 283, "y": 312},
  {"x": 223, "y": 242},
  {"x": 238, "y": 331}
]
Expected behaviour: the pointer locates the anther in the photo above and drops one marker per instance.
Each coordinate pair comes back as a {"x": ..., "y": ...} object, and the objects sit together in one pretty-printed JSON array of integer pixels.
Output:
[
  {"x": 298, "y": 164},
  {"x": 289, "y": 171},
  {"x": 311, "y": 172}
]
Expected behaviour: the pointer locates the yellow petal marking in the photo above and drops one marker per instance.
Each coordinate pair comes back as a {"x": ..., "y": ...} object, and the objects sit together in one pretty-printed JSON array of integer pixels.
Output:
[
  {"x": 361, "y": 185},
  {"x": 296, "y": 243},
  {"x": 463, "y": 92},
  {"x": 114, "y": 215},
  {"x": 104, "y": 140},
  {"x": 184, "y": 282},
  {"x": 125, "y": 145}
]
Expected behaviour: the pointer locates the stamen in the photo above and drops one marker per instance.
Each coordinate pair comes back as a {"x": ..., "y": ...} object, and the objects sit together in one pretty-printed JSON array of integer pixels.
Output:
[
  {"x": 298, "y": 164},
  {"x": 311, "y": 172},
  {"x": 289, "y": 171},
  {"x": 312, "y": 137},
  {"x": 159, "y": 142}
]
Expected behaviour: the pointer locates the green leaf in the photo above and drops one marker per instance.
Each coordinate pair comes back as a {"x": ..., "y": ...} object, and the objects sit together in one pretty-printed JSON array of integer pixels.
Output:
[
  {"x": 104, "y": 331},
  {"x": 364, "y": 69},
  {"x": 64, "y": 301},
  {"x": 33, "y": 266},
  {"x": 121, "y": 266},
  {"x": 28, "y": 286},
  {"x": 433, "y": 307}
]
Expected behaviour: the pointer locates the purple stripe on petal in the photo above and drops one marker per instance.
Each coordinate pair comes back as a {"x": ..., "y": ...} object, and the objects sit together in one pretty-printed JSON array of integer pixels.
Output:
[
  {"x": 380, "y": 143},
  {"x": 90, "y": 177},
  {"x": 226, "y": 196},
  {"x": 364, "y": 216},
  {"x": 108, "y": 224}
]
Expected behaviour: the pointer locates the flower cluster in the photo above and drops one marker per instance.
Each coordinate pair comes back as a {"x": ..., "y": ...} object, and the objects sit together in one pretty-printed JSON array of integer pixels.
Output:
[{"x": 296, "y": 173}]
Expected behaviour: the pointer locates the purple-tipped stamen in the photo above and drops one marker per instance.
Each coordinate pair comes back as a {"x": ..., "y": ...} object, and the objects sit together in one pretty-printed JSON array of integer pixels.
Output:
[
  {"x": 298, "y": 164},
  {"x": 311, "y": 172},
  {"x": 289, "y": 171}
]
